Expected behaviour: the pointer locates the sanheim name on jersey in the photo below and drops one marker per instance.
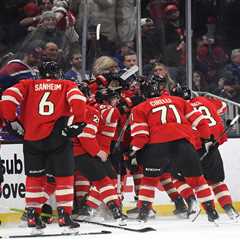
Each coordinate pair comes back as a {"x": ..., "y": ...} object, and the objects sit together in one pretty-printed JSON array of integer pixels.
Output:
[{"x": 48, "y": 86}]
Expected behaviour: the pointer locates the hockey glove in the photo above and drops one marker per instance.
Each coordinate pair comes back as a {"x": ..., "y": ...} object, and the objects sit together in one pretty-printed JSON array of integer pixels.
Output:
[
  {"x": 132, "y": 164},
  {"x": 209, "y": 144},
  {"x": 73, "y": 130},
  {"x": 16, "y": 128},
  {"x": 102, "y": 155}
]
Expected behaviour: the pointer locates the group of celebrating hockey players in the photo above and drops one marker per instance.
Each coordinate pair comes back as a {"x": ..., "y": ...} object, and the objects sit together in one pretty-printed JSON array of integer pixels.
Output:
[{"x": 80, "y": 141}]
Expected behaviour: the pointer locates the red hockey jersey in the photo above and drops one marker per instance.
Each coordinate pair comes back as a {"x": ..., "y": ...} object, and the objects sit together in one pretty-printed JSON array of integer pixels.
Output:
[
  {"x": 86, "y": 142},
  {"x": 220, "y": 105},
  {"x": 211, "y": 113},
  {"x": 165, "y": 119},
  {"x": 108, "y": 125},
  {"x": 42, "y": 103}
]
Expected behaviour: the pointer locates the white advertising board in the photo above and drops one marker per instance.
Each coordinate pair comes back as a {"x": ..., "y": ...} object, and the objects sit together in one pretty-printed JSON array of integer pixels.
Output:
[{"x": 13, "y": 188}]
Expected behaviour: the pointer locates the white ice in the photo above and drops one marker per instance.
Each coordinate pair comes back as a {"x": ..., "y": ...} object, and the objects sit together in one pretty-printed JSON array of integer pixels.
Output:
[{"x": 168, "y": 228}]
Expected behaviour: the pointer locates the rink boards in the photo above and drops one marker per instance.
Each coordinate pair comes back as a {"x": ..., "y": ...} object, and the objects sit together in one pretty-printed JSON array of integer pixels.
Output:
[{"x": 13, "y": 188}]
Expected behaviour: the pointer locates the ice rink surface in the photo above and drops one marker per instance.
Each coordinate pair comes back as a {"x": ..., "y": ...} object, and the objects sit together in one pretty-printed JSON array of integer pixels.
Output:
[{"x": 167, "y": 228}]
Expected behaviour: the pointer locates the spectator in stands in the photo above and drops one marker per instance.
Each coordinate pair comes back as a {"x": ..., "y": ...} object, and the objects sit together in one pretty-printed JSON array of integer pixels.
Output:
[
  {"x": 18, "y": 69},
  {"x": 117, "y": 18},
  {"x": 65, "y": 20},
  {"x": 32, "y": 16},
  {"x": 234, "y": 66},
  {"x": 33, "y": 13},
  {"x": 119, "y": 54},
  {"x": 174, "y": 37},
  {"x": 152, "y": 43},
  {"x": 231, "y": 91},
  {"x": 75, "y": 73},
  {"x": 104, "y": 70},
  {"x": 161, "y": 74},
  {"x": 219, "y": 89},
  {"x": 50, "y": 52},
  {"x": 130, "y": 59},
  {"x": 199, "y": 82},
  {"x": 47, "y": 31}
]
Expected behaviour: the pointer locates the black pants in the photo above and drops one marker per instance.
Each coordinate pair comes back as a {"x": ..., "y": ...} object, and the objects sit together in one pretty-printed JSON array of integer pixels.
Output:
[
  {"x": 52, "y": 155},
  {"x": 93, "y": 168},
  {"x": 212, "y": 166},
  {"x": 178, "y": 156},
  {"x": 117, "y": 160}
]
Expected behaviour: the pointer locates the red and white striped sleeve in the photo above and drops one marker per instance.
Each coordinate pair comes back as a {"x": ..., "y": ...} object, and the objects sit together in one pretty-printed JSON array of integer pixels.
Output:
[
  {"x": 11, "y": 98},
  {"x": 77, "y": 102},
  {"x": 197, "y": 120},
  {"x": 110, "y": 119},
  {"x": 88, "y": 138},
  {"x": 139, "y": 128}
]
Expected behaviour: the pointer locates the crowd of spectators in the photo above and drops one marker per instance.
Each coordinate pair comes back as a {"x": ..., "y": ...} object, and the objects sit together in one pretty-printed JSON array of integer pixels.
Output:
[{"x": 55, "y": 26}]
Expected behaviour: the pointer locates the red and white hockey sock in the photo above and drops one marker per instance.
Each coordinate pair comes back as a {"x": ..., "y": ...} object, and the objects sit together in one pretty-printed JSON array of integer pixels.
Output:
[
  {"x": 202, "y": 190},
  {"x": 147, "y": 190},
  {"x": 81, "y": 185},
  {"x": 221, "y": 193},
  {"x": 34, "y": 192},
  {"x": 94, "y": 198},
  {"x": 107, "y": 190},
  {"x": 167, "y": 183},
  {"x": 137, "y": 177},
  {"x": 49, "y": 188},
  {"x": 64, "y": 193},
  {"x": 183, "y": 188}
]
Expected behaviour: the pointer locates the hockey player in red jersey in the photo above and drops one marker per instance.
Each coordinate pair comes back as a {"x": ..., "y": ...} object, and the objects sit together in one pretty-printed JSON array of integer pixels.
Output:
[
  {"x": 212, "y": 164},
  {"x": 161, "y": 129},
  {"x": 91, "y": 160},
  {"x": 106, "y": 101},
  {"x": 45, "y": 105}
]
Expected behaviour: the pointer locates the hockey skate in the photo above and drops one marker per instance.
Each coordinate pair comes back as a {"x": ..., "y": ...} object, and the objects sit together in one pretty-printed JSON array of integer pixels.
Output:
[
  {"x": 144, "y": 211},
  {"x": 231, "y": 212},
  {"x": 34, "y": 220},
  {"x": 65, "y": 220},
  {"x": 181, "y": 209},
  {"x": 47, "y": 210},
  {"x": 211, "y": 212},
  {"x": 135, "y": 211},
  {"x": 193, "y": 208},
  {"x": 85, "y": 213},
  {"x": 116, "y": 213}
]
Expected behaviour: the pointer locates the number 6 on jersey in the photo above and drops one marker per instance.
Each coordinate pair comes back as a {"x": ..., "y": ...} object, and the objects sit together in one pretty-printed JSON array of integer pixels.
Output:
[{"x": 46, "y": 107}]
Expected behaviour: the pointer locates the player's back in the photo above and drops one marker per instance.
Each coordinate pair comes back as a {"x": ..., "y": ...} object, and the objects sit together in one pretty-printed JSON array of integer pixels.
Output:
[
  {"x": 47, "y": 101},
  {"x": 43, "y": 102},
  {"x": 210, "y": 112},
  {"x": 166, "y": 118}
]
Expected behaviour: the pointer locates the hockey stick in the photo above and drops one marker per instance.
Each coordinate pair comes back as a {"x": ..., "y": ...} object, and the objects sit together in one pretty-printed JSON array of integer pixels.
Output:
[
  {"x": 140, "y": 230},
  {"x": 115, "y": 148},
  {"x": 56, "y": 234},
  {"x": 98, "y": 29},
  {"x": 19, "y": 210},
  {"x": 226, "y": 130}
]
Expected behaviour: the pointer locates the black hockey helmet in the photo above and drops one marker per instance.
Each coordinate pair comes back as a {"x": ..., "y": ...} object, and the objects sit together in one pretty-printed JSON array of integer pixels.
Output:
[
  {"x": 181, "y": 91},
  {"x": 105, "y": 94},
  {"x": 83, "y": 86},
  {"x": 49, "y": 70},
  {"x": 151, "y": 89}
]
